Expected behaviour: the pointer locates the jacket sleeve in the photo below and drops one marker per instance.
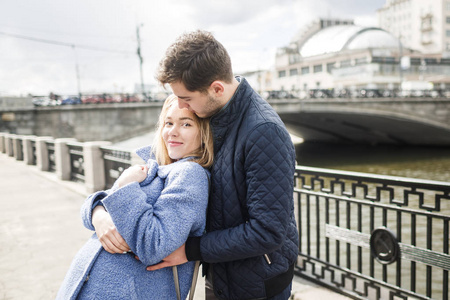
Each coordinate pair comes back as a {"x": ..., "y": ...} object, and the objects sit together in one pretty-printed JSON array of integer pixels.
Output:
[
  {"x": 268, "y": 163},
  {"x": 88, "y": 206},
  {"x": 155, "y": 231}
]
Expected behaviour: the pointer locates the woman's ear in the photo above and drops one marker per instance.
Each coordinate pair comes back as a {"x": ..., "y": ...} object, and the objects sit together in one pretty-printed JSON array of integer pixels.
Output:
[{"x": 217, "y": 88}]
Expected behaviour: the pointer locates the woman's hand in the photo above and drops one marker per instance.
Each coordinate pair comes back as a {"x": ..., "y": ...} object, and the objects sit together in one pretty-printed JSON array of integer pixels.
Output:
[
  {"x": 107, "y": 233},
  {"x": 136, "y": 173}
]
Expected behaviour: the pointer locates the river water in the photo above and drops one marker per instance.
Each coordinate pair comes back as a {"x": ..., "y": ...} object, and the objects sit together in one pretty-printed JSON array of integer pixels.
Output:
[{"x": 431, "y": 163}]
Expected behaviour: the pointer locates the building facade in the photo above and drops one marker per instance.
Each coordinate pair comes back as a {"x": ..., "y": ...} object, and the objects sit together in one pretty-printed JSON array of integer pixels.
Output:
[
  {"x": 420, "y": 25},
  {"x": 341, "y": 58}
]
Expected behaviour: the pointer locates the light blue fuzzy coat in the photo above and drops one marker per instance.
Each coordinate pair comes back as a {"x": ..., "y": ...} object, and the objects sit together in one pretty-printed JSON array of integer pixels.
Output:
[{"x": 155, "y": 218}]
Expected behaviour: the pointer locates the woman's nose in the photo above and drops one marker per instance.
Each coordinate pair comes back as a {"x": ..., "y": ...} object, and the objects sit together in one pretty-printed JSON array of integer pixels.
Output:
[{"x": 173, "y": 131}]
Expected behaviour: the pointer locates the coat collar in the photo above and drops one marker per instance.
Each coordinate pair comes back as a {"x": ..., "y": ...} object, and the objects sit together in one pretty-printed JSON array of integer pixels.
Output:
[
  {"x": 147, "y": 155},
  {"x": 234, "y": 107}
]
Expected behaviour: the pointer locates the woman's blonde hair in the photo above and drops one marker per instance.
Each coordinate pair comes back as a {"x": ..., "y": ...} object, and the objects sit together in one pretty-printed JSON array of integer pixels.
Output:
[{"x": 204, "y": 155}]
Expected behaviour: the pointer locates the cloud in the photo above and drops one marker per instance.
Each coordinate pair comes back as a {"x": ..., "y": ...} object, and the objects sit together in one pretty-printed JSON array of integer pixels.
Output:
[{"x": 251, "y": 31}]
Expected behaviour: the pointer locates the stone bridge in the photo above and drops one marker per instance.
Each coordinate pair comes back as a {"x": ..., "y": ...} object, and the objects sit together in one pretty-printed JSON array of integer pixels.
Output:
[{"x": 367, "y": 121}]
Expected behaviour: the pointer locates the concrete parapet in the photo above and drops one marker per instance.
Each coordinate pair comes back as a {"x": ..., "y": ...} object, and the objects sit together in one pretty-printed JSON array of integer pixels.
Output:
[
  {"x": 94, "y": 166},
  {"x": 136, "y": 159},
  {"x": 8, "y": 145},
  {"x": 42, "y": 160},
  {"x": 2, "y": 142},
  {"x": 62, "y": 158},
  {"x": 27, "y": 144}
]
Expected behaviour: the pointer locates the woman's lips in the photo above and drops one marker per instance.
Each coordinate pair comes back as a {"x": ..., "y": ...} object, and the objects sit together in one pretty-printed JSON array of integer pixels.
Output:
[{"x": 172, "y": 143}]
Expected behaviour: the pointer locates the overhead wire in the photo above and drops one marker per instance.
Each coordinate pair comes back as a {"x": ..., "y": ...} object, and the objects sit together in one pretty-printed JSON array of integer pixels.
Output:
[{"x": 63, "y": 43}]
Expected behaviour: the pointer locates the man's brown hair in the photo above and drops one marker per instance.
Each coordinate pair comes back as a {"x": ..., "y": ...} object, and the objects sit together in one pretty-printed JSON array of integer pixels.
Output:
[{"x": 196, "y": 59}]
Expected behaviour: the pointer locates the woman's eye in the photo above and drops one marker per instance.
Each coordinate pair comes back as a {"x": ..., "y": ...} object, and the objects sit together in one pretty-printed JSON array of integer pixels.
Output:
[
  {"x": 168, "y": 123},
  {"x": 186, "y": 124}
]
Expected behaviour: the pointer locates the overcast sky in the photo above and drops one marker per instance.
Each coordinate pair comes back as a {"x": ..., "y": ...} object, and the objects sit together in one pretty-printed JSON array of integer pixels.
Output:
[{"x": 36, "y": 36}]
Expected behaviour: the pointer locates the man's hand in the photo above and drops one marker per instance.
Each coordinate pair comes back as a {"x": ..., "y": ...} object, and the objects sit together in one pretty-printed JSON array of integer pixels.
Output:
[
  {"x": 177, "y": 257},
  {"x": 107, "y": 233}
]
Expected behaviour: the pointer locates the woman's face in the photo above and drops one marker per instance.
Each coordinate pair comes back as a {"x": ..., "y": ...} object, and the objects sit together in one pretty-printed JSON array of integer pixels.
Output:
[{"x": 181, "y": 133}]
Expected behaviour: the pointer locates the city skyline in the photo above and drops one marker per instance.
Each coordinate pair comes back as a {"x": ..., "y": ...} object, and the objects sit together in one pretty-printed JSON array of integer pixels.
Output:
[{"x": 43, "y": 43}]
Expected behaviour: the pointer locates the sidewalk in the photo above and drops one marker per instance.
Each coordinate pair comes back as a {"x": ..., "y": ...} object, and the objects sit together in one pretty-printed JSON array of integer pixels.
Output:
[{"x": 40, "y": 232}]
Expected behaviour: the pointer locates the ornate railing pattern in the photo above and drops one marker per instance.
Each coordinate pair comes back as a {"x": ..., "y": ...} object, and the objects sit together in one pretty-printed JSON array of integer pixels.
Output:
[
  {"x": 371, "y": 236},
  {"x": 51, "y": 156},
  {"x": 363, "y": 235},
  {"x": 76, "y": 161},
  {"x": 116, "y": 161}
]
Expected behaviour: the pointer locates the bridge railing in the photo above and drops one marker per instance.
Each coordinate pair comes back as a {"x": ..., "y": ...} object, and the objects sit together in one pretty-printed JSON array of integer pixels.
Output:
[
  {"x": 363, "y": 235},
  {"x": 95, "y": 164},
  {"x": 373, "y": 237}
]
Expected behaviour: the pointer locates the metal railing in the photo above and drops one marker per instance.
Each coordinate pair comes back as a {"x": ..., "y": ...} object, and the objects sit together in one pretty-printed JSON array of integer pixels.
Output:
[
  {"x": 76, "y": 161},
  {"x": 116, "y": 161},
  {"x": 51, "y": 156},
  {"x": 371, "y": 236},
  {"x": 363, "y": 235}
]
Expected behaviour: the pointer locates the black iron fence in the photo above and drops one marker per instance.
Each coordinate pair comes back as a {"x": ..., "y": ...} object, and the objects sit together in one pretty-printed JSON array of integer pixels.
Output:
[
  {"x": 76, "y": 161},
  {"x": 116, "y": 161},
  {"x": 363, "y": 235},
  {"x": 51, "y": 155},
  {"x": 373, "y": 237}
]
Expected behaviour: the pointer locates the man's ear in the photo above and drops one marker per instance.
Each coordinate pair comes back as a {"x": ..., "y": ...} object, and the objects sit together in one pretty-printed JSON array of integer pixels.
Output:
[{"x": 217, "y": 88}]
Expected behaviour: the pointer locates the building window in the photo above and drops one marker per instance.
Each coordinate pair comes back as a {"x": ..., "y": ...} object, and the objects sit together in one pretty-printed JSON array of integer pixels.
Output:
[
  {"x": 293, "y": 72},
  {"x": 305, "y": 70},
  {"x": 317, "y": 68},
  {"x": 330, "y": 67},
  {"x": 361, "y": 61},
  {"x": 447, "y": 6},
  {"x": 281, "y": 74},
  {"x": 447, "y": 19},
  {"x": 346, "y": 63},
  {"x": 447, "y": 32}
]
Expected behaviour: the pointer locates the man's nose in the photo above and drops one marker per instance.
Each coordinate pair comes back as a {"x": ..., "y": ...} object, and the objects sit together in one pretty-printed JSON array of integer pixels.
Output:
[{"x": 182, "y": 104}]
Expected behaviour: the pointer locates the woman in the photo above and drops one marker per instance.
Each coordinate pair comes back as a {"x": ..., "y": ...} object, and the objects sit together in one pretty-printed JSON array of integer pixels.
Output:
[{"x": 154, "y": 208}]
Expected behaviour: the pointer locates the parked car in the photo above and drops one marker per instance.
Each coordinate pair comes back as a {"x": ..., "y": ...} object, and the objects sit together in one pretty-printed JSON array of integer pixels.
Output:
[{"x": 72, "y": 100}]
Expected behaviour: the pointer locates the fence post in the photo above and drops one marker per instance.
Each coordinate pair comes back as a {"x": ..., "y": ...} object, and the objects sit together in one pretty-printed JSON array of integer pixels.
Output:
[
  {"x": 28, "y": 156},
  {"x": 2, "y": 142},
  {"x": 8, "y": 144},
  {"x": 42, "y": 153},
  {"x": 62, "y": 158},
  {"x": 94, "y": 166},
  {"x": 17, "y": 147},
  {"x": 136, "y": 159}
]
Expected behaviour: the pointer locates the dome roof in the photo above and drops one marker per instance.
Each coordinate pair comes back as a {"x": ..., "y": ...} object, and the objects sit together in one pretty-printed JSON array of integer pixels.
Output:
[{"x": 342, "y": 37}]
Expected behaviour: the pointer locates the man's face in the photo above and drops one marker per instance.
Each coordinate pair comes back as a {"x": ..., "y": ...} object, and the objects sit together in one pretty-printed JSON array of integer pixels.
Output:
[{"x": 202, "y": 104}]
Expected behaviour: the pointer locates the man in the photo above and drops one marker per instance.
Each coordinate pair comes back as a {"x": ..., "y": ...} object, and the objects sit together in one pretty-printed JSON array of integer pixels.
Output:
[
  {"x": 251, "y": 243},
  {"x": 251, "y": 240}
]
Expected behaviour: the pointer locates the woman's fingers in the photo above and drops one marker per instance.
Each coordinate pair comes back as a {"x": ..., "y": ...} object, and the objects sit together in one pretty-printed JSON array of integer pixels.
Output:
[{"x": 113, "y": 242}]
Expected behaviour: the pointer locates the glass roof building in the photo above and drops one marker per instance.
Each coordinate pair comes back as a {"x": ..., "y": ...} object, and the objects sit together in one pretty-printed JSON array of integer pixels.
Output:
[{"x": 347, "y": 56}]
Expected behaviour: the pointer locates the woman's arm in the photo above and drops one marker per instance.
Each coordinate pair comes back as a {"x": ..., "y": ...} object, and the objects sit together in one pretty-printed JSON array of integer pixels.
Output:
[
  {"x": 155, "y": 231},
  {"x": 96, "y": 218}
]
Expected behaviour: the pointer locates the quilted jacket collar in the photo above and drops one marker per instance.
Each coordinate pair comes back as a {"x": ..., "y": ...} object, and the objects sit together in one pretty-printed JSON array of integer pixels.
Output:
[{"x": 235, "y": 105}]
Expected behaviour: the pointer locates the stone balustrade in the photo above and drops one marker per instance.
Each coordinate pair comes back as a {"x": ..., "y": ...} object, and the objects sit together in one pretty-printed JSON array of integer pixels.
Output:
[{"x": 70, "y": 159}]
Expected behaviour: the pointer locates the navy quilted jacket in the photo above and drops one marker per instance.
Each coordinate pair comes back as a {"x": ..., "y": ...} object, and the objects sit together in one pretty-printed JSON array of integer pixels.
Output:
[{"x": 251, "y": 242}]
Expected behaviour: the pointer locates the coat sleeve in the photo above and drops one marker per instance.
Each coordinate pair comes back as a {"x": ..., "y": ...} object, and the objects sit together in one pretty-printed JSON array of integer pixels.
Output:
[
  {"x": 268, "y": 164},
  {"x": 155, "y": 231},
  {"x": 88, "y": 206}
]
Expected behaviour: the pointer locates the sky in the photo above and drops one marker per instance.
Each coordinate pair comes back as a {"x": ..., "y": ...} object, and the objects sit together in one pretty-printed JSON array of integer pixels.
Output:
[{"x": 66, "y": 46}]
